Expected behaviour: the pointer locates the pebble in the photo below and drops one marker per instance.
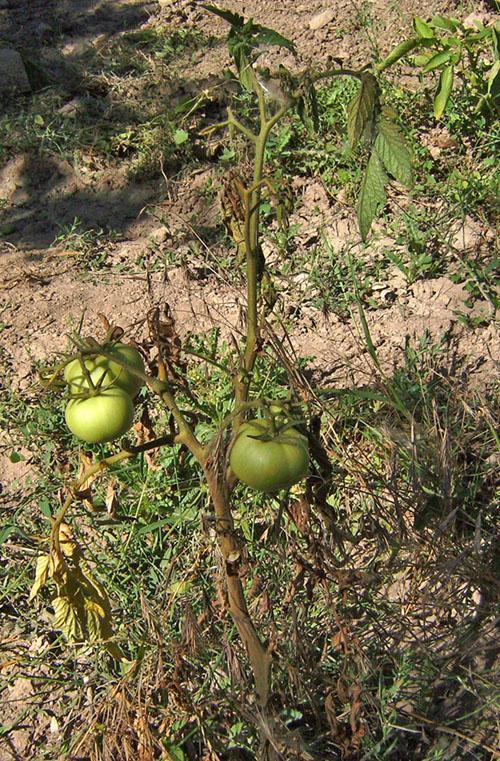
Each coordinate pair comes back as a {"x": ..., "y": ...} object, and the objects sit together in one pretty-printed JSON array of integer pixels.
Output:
[
  {"x": 13, "y": 75},
  {"x": 321, "y": 19}
]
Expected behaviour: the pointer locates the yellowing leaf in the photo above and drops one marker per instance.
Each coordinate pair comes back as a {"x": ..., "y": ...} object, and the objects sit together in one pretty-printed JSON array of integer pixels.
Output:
[
  {"x": 42, "y": 573},
  {"x": 68, "y": 545},
  {"x": 66, "y": 618}
]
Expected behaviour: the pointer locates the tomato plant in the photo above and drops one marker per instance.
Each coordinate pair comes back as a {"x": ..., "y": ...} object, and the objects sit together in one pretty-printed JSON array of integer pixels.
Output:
[
  {"x": 276, "y": 461},
  {"x": 268, "y": 454},
  {"x": 116, "y": 374},
  {"x": 102, "y": 417}
]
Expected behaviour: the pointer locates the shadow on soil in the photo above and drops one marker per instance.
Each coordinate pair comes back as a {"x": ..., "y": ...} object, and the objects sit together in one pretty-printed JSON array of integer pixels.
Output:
[{"x": 44, "y": 187}]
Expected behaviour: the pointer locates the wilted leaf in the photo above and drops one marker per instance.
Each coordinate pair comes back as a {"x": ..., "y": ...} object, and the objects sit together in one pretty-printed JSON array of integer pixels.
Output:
[
  {"x": 245, "y": 70},
  {"x": 82, "y": 611},
  {"x": 112, "y": 503},
  {"x": 307, "y": 108},
  {"x": 86, "y": 495},
  {"x": 393, "y": 150},
  {"x": 372, "y": 195},
  {"x": 66, "y": 541},
  {"x": 443, "y": 91},
  {"x": 331, "y": 714},
  {"x": 363, "y": 109}
]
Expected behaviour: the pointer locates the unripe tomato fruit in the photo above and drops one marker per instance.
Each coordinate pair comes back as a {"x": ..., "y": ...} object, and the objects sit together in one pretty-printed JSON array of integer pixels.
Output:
[
  {"x": 103, "y": 417},
  {"x": 271, "y": 465},
  {"x": 116, "y": 375}
]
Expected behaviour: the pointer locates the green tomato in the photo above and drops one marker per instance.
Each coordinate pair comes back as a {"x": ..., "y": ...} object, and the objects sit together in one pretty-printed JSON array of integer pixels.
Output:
[
  {"x": 270, "y": 465},
  {"x": 78, "y": 383},
  {"x": 116, "y": 375},
  {"x": 103, "y": 417}
]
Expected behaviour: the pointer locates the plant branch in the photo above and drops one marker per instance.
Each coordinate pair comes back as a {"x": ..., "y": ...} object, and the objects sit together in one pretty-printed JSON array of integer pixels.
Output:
[{"x": 98, "y": 467}]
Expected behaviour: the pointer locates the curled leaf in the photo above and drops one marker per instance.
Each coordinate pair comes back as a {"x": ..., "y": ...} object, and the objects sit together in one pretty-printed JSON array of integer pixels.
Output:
[{"x": 363, "y": 109}]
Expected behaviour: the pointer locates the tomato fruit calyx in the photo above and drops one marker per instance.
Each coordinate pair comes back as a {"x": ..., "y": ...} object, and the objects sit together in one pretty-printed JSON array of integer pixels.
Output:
[
  {"x": 269, "y": 460},
  {"x": 116, "y": 371}
]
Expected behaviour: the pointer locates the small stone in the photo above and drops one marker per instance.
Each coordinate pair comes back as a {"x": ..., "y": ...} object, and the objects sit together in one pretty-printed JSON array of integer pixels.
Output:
[
  {"x": 70, "y": 109},
  {"x": 4, "y": 4},
  {"x": 321, "y": 19},
  {"x": 470, "y": 21},
  {"x": 13, "y": 74},
  {"x": 159, "y": 235},
  {"x": 468, "y": 235}
]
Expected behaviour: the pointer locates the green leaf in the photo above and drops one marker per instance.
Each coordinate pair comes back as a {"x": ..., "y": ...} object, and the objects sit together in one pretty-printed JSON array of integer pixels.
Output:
[
  {"x": 393, "y": 150},
  {"x": 232, "y": 18},
  {"x": 266, "y": 36},
  {"x": 363, "y": 109},
  {"x": 16, "y": 457},
  {"x": 495, "y": 39},
  {"x": 400, "y": 51},
  {"x": 443, "y": 22},
  {"x": 437, "y": 60},
  {"x": 492, "y": 75},
  {"x": 372, "y": 195},
  {"x": 6, "y": 531},
  {"x": 443, "y": 91},
  {"x": 307, "y": 109},
  {"x": 150, "y": 527},
  {"x": 44, "y": 506},
  {"x": 421, "y": 59},
  {"x": 422, "y": 28},
  {"x": 180, "y": 136}
]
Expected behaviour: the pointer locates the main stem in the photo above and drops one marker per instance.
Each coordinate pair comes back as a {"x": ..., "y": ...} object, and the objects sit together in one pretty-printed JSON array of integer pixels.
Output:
[
  {"x": 258, "y": 655},
  {"x": 253, "y": 257}
]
